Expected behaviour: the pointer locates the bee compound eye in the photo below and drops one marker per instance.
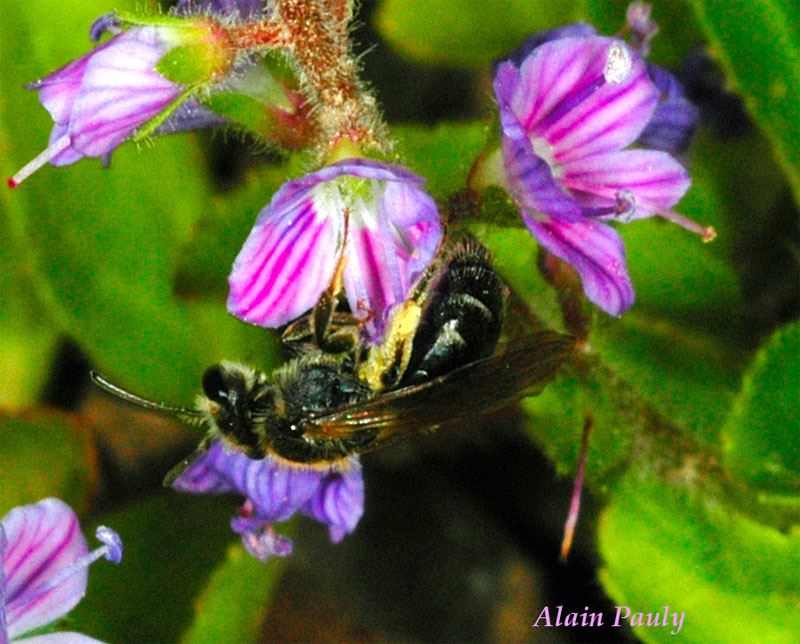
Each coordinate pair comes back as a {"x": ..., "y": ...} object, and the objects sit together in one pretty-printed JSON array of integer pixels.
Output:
[{"x": 214, "y": 385}]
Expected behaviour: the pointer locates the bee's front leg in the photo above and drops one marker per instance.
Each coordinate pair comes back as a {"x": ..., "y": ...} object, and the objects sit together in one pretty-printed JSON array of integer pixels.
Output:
[{"x": 325, "y": 328}]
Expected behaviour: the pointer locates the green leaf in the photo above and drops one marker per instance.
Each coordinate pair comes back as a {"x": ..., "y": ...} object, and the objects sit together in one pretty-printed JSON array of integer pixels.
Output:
[
  {"x": 188, "y": 64},
  {"x": 758, "y": 44},
  {"x": 443, "y": 154},
  {"x": 762, "y": 435},
  {"x": 234, "y": 604},
  {"x": 678, "y": 32},
  {"x": 223, "y": 226},
  {"x": 45, "y": 453},
  {"x": 464, "y": 33},
  {"x": 736, "y": 580},
  {"x": 689, "y": 377},
  {"x": 173, "y": 542},
  {"x": 556, "y": 419},
  {"x": 28, "y": 340}
]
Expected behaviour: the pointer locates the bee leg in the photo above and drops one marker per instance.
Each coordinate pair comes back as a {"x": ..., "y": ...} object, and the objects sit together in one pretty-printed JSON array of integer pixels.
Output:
[{"x": 325, "y": 328}]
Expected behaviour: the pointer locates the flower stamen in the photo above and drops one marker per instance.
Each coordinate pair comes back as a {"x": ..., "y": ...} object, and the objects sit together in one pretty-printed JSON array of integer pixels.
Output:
[
  {"x": 50, "y": 152},
  {"x": 111, "y": 550},
  {"x": 577, "y": 491}
]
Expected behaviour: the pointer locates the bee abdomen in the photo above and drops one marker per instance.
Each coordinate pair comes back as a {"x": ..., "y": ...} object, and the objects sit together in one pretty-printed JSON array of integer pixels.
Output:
[{"x": 463, "y": 316}]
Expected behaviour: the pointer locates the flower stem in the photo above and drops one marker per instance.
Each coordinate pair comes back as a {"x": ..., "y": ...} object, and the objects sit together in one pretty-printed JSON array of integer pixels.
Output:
[
  {"x": 265, "y": 33},
  {"x": 317, "y": 37}
]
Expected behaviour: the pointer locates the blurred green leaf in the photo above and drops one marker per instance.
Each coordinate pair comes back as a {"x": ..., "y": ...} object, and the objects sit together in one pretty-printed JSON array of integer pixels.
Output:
[
  {"x": 464, "y": 33},
  {"x": 173, "y": 542},
  {"x": 762, "y": 435},
  {"x": 443, "y": 154},
  {"x": 45, "y": 453},
  {"x": 758, "y": 44},
  {"x": 223, "y": 225},
  {"x": 677, "y": 30},
  {"x": 556, "y": 418},
  {"x": 235, "y": 602},
  {"x": 689, "y": 377},
  {"x": 678, "y": 277},
  {"x": 24, "y": 352},
  {"x": 735, "y": 579}
]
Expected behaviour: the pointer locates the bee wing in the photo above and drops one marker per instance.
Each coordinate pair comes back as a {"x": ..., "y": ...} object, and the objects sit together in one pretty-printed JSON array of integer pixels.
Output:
[
  {"x": 483, "y": 386},
  {"x": 181, "y": 467}
]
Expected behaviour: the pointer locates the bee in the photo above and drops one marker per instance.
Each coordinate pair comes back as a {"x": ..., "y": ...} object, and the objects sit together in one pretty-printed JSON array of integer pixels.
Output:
[{"x": 437, "y": 364}]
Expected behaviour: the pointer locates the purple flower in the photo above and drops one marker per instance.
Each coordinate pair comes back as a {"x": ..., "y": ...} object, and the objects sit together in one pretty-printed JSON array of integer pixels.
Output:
[
  {"x": 567, "y": 113},
  {"x": 101, "y": 99},
  {"x": 44, "y": 568},
  {"x": 374, "y": 217},
  {"x": 274, "y": 490},
  {"x": 244, "y": 9},
  {"x": 674, "y": 122}
]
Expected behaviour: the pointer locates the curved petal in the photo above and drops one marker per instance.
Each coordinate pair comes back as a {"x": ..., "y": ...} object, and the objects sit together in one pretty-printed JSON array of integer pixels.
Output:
[
  {"x": 276, "y": 488},
  {"x": 654, "y": 178},
  {"x": 202, "y": 476},
  {"x": 289, "y": 257},
  {"x": 68, "y": 155},
  {"x": 62, "y": 637},
  {"x": 58, "y": 91},
  {"x": 120, "y": 91},
  {"x": 390, "y": 242},
  {"x": 3, "y": 621},
  {"x": 43, "y": 539},
  {"x": 339, "y": 501},
  {"x": 574, "y": 30},
  {"x": 675, "y": 119},
  {"x": 564, "y": 98},
  {"x": 596, "y": 251},
  {"x": 528, "y": 175}
]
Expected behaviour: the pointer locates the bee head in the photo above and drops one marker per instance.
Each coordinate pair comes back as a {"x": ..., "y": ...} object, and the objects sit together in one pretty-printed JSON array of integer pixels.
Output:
[{"x": 237, "y": 403}]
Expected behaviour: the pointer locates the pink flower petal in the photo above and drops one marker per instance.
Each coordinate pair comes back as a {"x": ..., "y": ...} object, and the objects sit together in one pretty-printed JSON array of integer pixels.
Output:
[
  {"x": 68, "y": 155},
  {"x": 291, "y": 254},
  {"x": 62, "y": 637},
  {"x": 564, "y": 98},
  {"x": 43, "y": 539},
  {"x": 596, "y": 251},
  {"x": 338, "y": 501},
  {"x": 389, "y": 248},
  {"x": 203, "y": 477},
  {"x": 655, "y": 179},
  {"x": 530, "y": 177},
  {"x": 57, "y": 92},
  {"x": 120, "y": 91},
  {"x": 287, "y": 261}
]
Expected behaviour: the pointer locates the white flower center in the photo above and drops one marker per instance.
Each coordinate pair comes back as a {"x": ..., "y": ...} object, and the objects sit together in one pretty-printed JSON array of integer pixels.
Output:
[{"x": 544, "y": 150}]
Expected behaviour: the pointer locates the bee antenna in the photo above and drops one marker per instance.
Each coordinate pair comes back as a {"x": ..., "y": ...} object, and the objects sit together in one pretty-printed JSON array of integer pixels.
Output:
[{"x": 128, "y": 396}]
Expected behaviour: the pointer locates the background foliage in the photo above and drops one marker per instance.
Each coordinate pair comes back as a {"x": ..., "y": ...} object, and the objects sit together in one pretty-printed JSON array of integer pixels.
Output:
[{"x": 694, "y": 462}]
